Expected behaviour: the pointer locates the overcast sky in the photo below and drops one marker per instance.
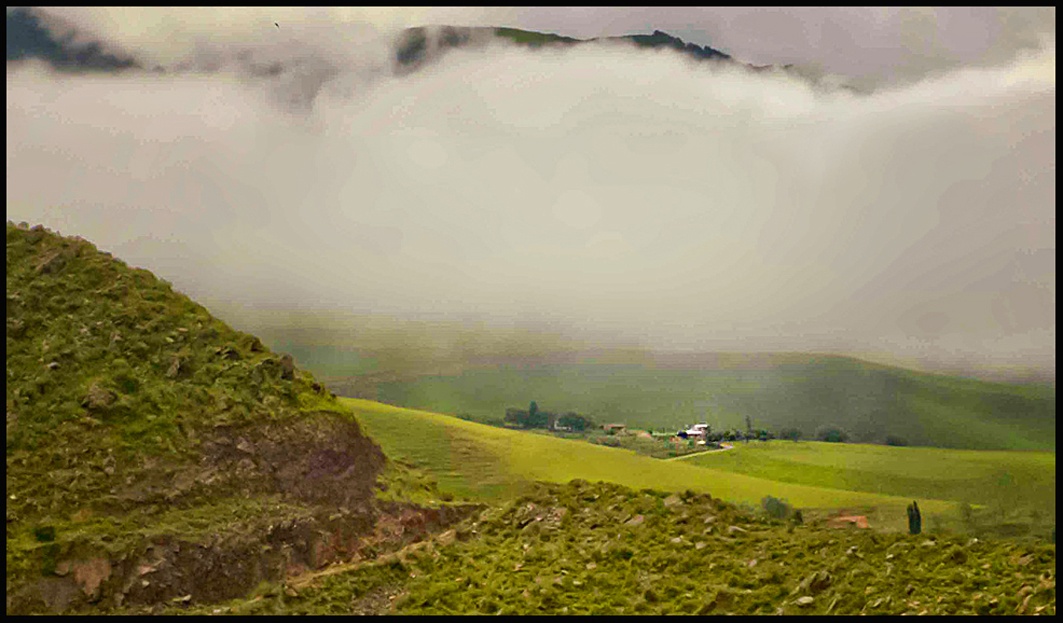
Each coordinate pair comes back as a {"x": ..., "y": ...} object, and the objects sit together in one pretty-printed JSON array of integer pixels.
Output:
[{"x": 604, "y": 188}]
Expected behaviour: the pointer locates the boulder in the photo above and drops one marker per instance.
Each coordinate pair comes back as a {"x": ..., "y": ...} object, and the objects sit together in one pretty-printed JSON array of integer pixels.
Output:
[
  {"x": 287, "y": 367},
  {"x": 99, "y": 398}
]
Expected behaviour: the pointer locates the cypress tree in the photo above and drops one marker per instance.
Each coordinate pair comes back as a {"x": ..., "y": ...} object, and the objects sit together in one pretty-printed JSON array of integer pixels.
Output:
[{"x": 915, "y": 521}]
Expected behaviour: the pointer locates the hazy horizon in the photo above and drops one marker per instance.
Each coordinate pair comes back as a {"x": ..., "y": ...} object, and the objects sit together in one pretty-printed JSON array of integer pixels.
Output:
[{"x": 628, "y": 196}]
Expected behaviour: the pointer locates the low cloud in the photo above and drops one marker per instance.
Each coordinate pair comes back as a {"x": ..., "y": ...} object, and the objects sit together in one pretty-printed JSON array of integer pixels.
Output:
[{"x": 598, "y": 188}]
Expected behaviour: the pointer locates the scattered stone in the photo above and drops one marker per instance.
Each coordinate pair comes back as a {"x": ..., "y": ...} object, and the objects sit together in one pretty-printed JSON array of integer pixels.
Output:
[
  {"x": 176, "y": 368},
  {"x": 98, "y": 398},
  {"x": 228, "y": 352},
  {"x": 700, "y": 545},
  {"x": 805, "y": 601},
  {"x": 51, "y": 263},
  {"x": 54, "y": 365},
  {"x": 635, "y": 521},
  {"x": 672, "y": 501},
  {"x": 736, "y": 530},
  {"x": 677, "y": 540},
  {"x": 15, "y": 327},
  {"x": 90, "y": 574},
  {"x": 287, "y": 367}
]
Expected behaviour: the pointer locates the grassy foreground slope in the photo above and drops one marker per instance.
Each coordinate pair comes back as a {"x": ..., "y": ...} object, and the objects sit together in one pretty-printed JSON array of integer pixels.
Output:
[
  {"x": 776, "y": 391},
  {"x": 487, "y": 463},
  {"x": 152, "y": 451},
  {"x": 596, "y": 548}
]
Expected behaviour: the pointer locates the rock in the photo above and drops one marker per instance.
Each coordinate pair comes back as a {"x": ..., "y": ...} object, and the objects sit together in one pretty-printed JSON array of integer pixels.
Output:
[
  {"x": 672, "y": 501},
  {"x": 98, "y": 398},
  {"x": 228, "y": 352},
  {"x": 736, "y": 530},
  {"x": 804, "y": 601},
  {"x": 287, "y": 367},
  {"x": 54, "y": 365},
  {"x": 700, "y": 545},
  {"x": 677, "y": 540},
  {"x": 52, "y": 262},
  {"x": 928, "y": 543},
  {"x": 256, "y": 345},
  {"x": 176, "y": 368},
  {"x": 91, "y": 573},
  {"x": 635, "y": 521},
  {"x": 819, "y": 581},
  {"x": 15, "y": 328},
  {"x": 957, "y": 556},
  {"x": 710, "y": 518}
]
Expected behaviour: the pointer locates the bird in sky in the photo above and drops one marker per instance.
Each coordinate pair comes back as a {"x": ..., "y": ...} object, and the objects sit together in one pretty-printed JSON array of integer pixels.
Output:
[{"x": 276, "y": 24}]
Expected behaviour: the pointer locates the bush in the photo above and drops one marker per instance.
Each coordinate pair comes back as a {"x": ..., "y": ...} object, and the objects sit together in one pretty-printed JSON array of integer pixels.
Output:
[
  {"x": 832, "y": 434},
  {"x": 792, "y": 434},
  {"x": 892, "y": 440},
  {"x": 776, "y": 508}
]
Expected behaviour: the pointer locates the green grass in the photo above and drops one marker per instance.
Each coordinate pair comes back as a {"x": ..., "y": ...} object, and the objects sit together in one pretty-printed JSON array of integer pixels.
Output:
[
  {"x": 870, "y": 401},
  {"x": 595, "y": 548},
  {"x": 487, "y": 463}
]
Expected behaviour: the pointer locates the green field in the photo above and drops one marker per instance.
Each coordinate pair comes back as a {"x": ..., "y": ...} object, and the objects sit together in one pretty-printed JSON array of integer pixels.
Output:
[
  {"x": 1010, "y": 486},
  {"x": 979, "y": 477},
  {"x": 486, "y": 463},
  {"x": 869, "y": 401}
]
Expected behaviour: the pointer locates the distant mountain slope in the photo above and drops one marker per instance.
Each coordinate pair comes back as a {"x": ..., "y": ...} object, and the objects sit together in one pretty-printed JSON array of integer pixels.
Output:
[
  {"x": 776, "y": 391},
  {"x": 28, "y": 38},
  {"x": 417, "y": 45},
  {"x": 152, "y": 451}
]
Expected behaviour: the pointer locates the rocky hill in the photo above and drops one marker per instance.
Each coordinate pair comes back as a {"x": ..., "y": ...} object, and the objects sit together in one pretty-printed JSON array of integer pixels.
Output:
[{"x": 155, "y": 453}]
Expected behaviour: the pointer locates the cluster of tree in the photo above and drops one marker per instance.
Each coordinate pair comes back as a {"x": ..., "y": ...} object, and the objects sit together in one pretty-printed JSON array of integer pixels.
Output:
[
  {"x": 534, "y": 417},
  {"x": 733, "y": 434}
]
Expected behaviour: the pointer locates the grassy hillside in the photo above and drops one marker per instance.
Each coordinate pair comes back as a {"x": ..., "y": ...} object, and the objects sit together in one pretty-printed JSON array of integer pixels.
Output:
[
  {"x": 152, "y": 451},
  {"x": 593, "y": 548},
  {"x": 490, "y": 464},
  {"x": 870, "y": 401}
]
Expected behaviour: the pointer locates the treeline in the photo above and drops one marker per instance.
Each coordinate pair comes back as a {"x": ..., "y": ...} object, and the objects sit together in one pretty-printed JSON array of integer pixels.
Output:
[
  {"x": 534, "y": 417},
  {"x": 829, "y": 433}
]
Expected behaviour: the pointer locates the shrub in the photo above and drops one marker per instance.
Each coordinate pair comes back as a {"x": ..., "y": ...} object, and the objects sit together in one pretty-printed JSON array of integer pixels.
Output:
[
  {"x": 776, "y": 508},
  {"x": 892, "y": 440},
  {"x": 832, "y": 434},
  {"x": 792, "y": 434}
]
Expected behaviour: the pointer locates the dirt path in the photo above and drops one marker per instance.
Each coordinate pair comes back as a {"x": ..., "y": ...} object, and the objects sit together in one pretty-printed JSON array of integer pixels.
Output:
[{"x": 723, "y": 447}]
